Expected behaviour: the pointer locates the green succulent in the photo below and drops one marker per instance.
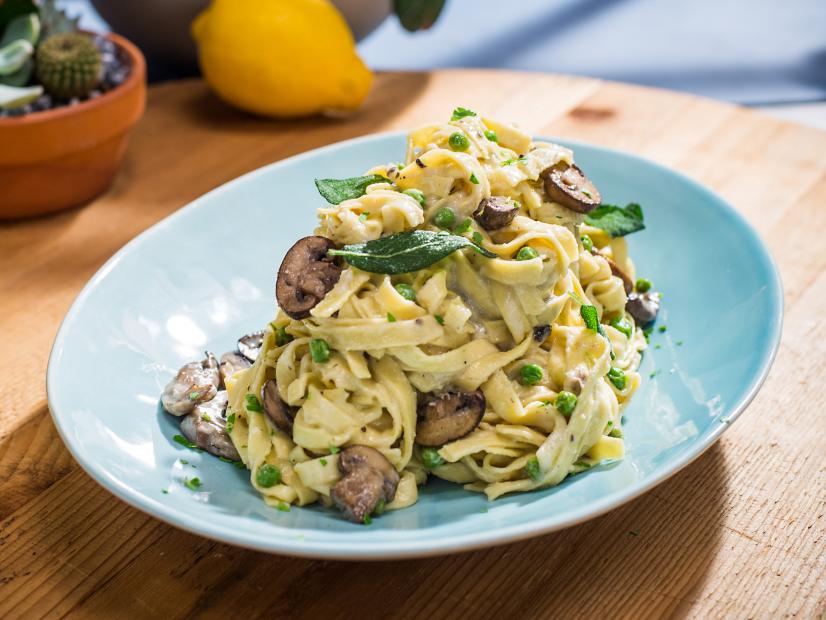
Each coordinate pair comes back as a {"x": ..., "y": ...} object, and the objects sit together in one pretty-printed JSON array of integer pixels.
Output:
[
  {"x": 17, "y": 49},
  {"x": 68, "y": 65}
]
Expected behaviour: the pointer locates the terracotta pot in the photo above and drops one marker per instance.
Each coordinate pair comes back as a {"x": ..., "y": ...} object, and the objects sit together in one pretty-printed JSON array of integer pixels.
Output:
[{"x": 63, "y": 158}]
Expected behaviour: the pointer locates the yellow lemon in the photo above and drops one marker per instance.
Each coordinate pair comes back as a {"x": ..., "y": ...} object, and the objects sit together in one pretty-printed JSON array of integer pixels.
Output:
[{"x": 280, "y": 58}]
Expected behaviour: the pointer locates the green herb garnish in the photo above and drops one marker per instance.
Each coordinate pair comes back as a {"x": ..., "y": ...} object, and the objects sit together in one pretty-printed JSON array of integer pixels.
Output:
[
  {"x": 230, "y": 422},
  {"x": 185, "y": 442},
  {"x": 477, "y": 237},
  {"x": 323, "y": 462},
  {"x": 590, "y": 316},
  {"x": 461, "y": 112},
  {"x": 367, "y": 520},
  {"x": 621, "y": 323},
  {"x": 473, "y": 179},
  {"x": 444, "y": 218},
  {"x": 491, "y": 135},
  {"x": 464, "y": 227},
  {"x": 283, "y": 507},
  {"x": 319, "y": 350},
  {"x": 439, "y": 319},
  {"x": 334, "y": 449},
  {"x": 431, "y": 458},
  {"x": 617, "y": 221},
  {"x": 282, "y": 337},
  {"x": 616, "y": 433},
  {"x": 253, "y": 404},
  {"x": 587, "y": 243},
  {"x": 363, "y": 217},
  {"x": 533, "y": 470},
  {"x": 336, "y": 191},
  {"x": 192, "y": 484},
  {"x": 405, "y": 252},
  {"x": 380, "y": 507},
  {"x": 391, "y": 318},
  {"x": 617, "y": 377}
]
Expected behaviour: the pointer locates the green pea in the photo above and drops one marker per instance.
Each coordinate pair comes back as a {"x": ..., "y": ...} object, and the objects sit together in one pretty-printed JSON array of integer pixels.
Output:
[
  {"x": 622, "y": 324},
  {"x": 319, "y": 350},
  {"x": 406, "y": 291},
  {"x": 526, "y": 253},
  {"x": 458, "y": 141},
  {"x": 617, "y": 377},
  {"x": 282, "y": 337},
  {"x": 530, "y": 374},
  {"x": 268, "y": 475},
  {"x": 642, "y": 285},
  {"x": 444, "y": 218},
  {"x": 533, "y": 469},
  {"x": 431, "y": 458},
  {"x": 417, "y": 194},
  {"x": 587, "y": 243},
  {"x": 491, "y": 135},
  {"x": 565, "y": 403}
]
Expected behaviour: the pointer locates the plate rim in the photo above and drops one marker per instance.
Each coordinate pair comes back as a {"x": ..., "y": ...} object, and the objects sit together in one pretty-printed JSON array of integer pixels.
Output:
[{"x": 414, "y": 548}]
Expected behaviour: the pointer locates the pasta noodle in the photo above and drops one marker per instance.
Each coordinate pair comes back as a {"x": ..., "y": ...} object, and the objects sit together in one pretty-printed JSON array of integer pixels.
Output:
[{"x": 471, "y": 322}]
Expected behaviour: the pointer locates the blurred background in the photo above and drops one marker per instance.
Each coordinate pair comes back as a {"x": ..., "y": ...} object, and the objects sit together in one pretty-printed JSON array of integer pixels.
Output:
[{"x": 761, "y": 53}]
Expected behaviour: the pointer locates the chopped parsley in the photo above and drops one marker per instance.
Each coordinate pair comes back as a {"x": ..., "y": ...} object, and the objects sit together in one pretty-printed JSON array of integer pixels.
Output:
[
  {"x": 461, "y": 112},
  {"x": 268, "y": 475},
  {"x": 477, "y": 237},
  {"x": 230, "y": 422},
  {"x": 334, "y": 449},
  {"x": 282, "y": 337},
  {"x": 391, "y": 318},
  {"x": 367, "y": 520},
  {"x": 185, "y": 442},
  {"x": 363, "y": 217},
  {"x": 473, "y": 179},
  {"x": 283, "y": 507},
  {"x": 253, "y": 404},
  {"x": 533, "y": 470},
  {"x": 462, "y": 228},
  {"x": 431, "y": 458},
  {"x": 323, "y": 462},
  {"x": 491, "y": 135},
  {"x": 205, "y": 417},
  {"x": 439, "y": 319},
  {"x": 193, "y": 484},
  {"x": 661, "y": 329},
  {"x": 194, "y": 395},
  {"x": 380, "y": 508}
]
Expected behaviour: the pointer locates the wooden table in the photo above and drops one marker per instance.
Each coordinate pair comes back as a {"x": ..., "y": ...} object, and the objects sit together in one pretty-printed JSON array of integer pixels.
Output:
[{"x": 740, "y": 533}]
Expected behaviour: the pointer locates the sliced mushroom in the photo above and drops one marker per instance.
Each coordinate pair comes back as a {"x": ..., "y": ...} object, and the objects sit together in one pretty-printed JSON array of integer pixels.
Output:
[
  {"x": 276, "y": 408},
  {"x": 231, "y": 363},
  {"x": 449, "y": 416},
  {"x": 541, "y": 332},
  {"x": 206, "y": 427},
  {"x": 250, "y": 345},
  {"x": 306, "y": 275},
  {"x": 575, "y": 379},
  {"x": 568, "y": 186},
  {"x": 643, "y": 306},
  {"x": 368, "y": 479},
  {"x": 195, "y": 383},
  {"x": 495, "y": 212}
]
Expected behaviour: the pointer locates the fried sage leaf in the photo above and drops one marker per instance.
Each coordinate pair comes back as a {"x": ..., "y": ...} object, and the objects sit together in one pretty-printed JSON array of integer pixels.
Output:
[
  {"x": 336, "y": 191},
  {"x": 405, "y": 252}
]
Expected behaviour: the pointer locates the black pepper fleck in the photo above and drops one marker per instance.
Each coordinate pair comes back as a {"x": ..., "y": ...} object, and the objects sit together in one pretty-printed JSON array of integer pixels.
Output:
[
  {"x": 541, "y": 332},
  {"x": 420, "y": 163}
]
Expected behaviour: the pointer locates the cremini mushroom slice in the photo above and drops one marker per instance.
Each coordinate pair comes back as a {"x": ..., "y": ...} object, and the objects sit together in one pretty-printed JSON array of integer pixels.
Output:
[
  {"x": 643, "y": 306},
  {"x": 206, "y": 427},
  {"x": 449, "y": 416},
  {"x": 568, "y": 186},
  {"x": 250, "y": 345},
  {"x": 231, "y": 363},
  {"x": 627, "y": 283},
  {"x": 495, "y": 212},
  {"x": 195, "y": 383},
  {"x": 368, "y": 478},
  {"x": 276, "y": 408},
  {"x": 306, "y": 275}
]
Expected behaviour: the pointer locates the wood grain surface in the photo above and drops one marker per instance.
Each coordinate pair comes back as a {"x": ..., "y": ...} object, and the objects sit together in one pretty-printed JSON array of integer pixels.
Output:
[{"x": 739, "y": 533}]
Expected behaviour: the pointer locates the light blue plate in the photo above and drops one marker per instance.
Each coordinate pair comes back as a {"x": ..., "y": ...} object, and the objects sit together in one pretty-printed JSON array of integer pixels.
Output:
[{"x": 206, "y": 274}]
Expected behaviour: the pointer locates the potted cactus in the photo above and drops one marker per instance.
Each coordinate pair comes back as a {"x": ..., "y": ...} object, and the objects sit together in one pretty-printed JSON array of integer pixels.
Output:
[{"x": 67, "y": 101}]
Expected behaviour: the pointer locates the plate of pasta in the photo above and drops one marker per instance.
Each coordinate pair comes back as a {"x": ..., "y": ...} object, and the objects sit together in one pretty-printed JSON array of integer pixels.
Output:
[{"x": 412, "y": 344}]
